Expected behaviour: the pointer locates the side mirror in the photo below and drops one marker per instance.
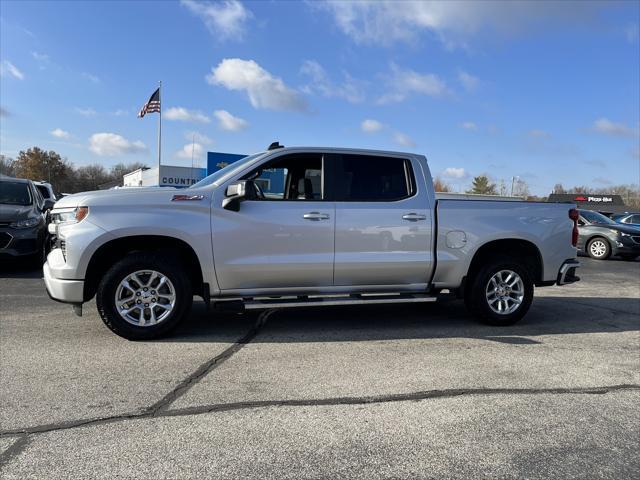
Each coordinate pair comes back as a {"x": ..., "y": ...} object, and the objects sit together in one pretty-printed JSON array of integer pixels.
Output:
[
  {"x": 238, "y": 192},
  {"x": 48, "y": 205}
]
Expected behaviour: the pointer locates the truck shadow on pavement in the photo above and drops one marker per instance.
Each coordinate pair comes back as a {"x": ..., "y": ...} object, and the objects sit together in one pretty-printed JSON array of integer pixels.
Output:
[{"x": 446, "y": 319}]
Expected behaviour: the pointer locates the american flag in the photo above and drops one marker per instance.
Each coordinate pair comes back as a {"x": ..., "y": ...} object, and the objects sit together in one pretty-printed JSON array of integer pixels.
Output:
[{"x": 153, "y": 105}]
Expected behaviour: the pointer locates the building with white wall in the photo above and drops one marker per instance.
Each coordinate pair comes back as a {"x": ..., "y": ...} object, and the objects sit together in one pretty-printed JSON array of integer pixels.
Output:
[{"x": 165, "y": 176}]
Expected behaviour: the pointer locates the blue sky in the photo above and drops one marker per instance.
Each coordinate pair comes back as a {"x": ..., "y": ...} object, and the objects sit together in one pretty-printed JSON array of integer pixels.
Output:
[{"x": 541, "y": 90}]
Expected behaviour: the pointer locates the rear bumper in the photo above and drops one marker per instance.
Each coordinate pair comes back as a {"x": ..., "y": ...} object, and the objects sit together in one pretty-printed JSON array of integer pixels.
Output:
[
  {"x": 567, "y": 272},
  {"x": 67, "y": 291}
]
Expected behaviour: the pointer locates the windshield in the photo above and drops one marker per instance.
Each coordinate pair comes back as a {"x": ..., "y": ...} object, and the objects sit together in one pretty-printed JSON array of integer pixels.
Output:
[
  {"x": 238, "y": 165},
  {"x": 15, "y": 193},
  {"x": 595, "y": 217}
]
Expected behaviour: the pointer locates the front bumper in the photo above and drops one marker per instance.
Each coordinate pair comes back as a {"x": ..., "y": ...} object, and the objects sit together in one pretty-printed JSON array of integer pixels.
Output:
[
  {"x": 62, "y": 290},
  {"x": 567, "y": 273},
  {"x": 19, "y": 242}
]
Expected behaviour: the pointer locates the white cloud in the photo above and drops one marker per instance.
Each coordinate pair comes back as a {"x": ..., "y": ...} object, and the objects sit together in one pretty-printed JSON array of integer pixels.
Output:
[
  {"x": 191, "y": 150},
  {"x": 350, "y": 90},
  {"x": 90, "y": 77},
  {"x": 40, "y": 57},
  {"x": 607, "y": 127},
  {"x": 198, "y": 137},
  {"x": 8, "y": 68},
  {"x": 454, "y": 23},
  {"x": 403, "y": 83},
  {"x": 121, "y": 112},
  {"x": 228, "y": 122},
  {"x": 85, "y": 112},
  {"x": 264, "y": 90},
  {"x": 538, "y": 133},
  {"x": 112, "y": 144},
  {"x": 469, "y": 126},
  {"x": 404, "y": 140},
  {"x": 184, "y": 115},
  {"x": 59, "y": 133},
  {"x": 468, "y": 81},
  {"x": 224, "y": 20},
  {"x": 371, "y": 126},
  {"x": 453, "y": 172}
]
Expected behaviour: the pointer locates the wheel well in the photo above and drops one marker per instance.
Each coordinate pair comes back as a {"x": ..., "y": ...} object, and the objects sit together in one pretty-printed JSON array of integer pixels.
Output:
[
  {"x": 522, "y": 250},
  {"x": 109, "y": 253}
]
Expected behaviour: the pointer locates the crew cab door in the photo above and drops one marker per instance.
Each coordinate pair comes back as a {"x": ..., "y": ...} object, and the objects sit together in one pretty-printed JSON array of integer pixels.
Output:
[
  {"x": 283, "y": 240},
  {"x": 383, "y": 222}
]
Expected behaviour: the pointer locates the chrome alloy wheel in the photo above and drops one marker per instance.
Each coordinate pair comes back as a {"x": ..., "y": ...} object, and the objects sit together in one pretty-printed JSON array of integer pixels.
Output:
[
  {"x": 598, "y": 248},
  {"x": 145, "y": 298},
  {"x": 505, "y": 292}
]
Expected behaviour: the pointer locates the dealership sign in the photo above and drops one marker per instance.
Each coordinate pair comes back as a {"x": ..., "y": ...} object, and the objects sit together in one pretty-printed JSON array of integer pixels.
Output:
[{"x": 587, "y": 199}]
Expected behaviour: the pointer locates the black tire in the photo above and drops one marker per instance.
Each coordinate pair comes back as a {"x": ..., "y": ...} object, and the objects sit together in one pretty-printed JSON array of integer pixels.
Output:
[
  {"x": 601, "y": 241},
  {"x": 475, "y": 293},
  {"x": 39, "y": 258},
  {"x": 105, "y": 295}
]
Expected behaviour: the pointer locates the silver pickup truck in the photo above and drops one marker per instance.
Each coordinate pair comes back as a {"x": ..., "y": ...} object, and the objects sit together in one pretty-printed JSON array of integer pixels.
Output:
[{"x": 292, "y": 227}]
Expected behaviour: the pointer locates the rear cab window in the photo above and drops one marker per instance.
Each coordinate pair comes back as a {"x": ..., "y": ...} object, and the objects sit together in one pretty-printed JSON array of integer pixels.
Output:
[{"x": 371, "y": 178}]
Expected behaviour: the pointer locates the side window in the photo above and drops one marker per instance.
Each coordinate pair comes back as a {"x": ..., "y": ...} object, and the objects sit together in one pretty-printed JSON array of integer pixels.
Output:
[
  {"x": 38, "y": 197},
  {"x": 291, "y": 177},
  {"x": 43, "y": 191},
  {"x": 363, "y": 178},
  {"x": 634, "y": 219}
]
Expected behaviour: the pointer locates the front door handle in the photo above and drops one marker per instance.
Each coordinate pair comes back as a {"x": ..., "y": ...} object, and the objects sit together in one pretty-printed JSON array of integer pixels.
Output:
[
  {"x": 414, "y": 217},
  {"x": 315, "y": 216}
]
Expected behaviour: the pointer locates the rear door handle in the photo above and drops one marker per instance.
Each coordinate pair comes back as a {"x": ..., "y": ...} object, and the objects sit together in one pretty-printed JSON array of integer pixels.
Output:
[
  {"x": 414, "y": 217},
  {"x": 315, "y": 216}
]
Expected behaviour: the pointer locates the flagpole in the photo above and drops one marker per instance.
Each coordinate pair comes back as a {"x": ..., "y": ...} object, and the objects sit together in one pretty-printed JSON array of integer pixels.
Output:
[{"x": 159, "y": 129}]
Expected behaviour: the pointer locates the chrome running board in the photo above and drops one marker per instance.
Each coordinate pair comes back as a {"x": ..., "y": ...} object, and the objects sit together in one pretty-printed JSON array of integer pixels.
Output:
[{"x": 262, "y": 303}]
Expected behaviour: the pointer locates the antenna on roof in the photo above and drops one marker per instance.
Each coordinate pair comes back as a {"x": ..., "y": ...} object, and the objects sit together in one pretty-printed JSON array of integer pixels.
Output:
[{"x": 275, "y": 145}]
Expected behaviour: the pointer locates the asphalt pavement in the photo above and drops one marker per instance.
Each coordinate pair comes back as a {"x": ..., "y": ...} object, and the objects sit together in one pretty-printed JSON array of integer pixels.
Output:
[{"x": 358, "y": 392}]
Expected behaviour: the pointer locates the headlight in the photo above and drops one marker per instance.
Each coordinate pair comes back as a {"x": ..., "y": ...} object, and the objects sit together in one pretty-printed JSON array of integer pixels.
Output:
[
  {"x": 26, "y": 223},
  {"x": 622, "y": 234},
  {"x": 69, "y": 215}
]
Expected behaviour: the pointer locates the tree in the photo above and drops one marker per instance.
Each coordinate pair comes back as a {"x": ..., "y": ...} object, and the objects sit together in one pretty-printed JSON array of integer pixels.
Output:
[
  {"x": 119, "y": 170},
  {"x": 37, "y": 164},
  {"x": 520, "y": 188},
  {"x": 440, "y": 186},
  {"x": 482, "y": 185},
  {"x": 88, "y": 177},
  {"x": 6, "y": 166},
  {"x": 558, "y": 188}
]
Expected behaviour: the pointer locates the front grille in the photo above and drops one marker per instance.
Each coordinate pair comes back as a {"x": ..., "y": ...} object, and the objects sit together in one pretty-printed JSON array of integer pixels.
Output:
[
  {"x": 636, "y": 239},
  {"x": 63, "y": 247},
  {"x": 5, "y": 239}
]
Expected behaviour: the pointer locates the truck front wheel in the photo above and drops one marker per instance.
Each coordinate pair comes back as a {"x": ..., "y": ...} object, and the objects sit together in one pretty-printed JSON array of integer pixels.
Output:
[
  {"x": 500, "y": 293},
  {"x": 144, "y": 296}
]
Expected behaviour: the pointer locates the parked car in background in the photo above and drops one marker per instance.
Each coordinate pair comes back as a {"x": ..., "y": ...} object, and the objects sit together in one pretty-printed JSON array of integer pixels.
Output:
[
  {"x": 46, "y": 190},
  {"x": 632, "y": 219},
  {"x": 23, "y": 220},
  {"x": 332, "y": 227},
  {"x": 600, "y": 237}
]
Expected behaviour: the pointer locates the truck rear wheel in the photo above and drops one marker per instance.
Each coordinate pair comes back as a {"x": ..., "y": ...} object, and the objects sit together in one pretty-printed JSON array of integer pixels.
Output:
[
  {"x": 500, "y": 293},
  {"x": 144, "y": 296}
]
